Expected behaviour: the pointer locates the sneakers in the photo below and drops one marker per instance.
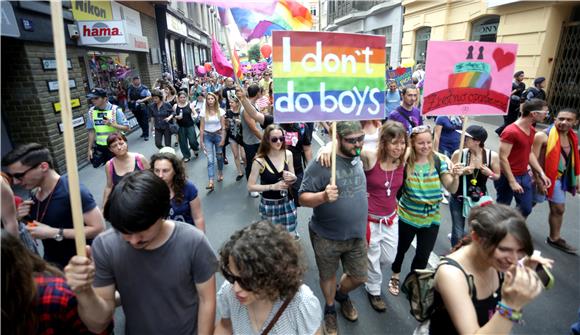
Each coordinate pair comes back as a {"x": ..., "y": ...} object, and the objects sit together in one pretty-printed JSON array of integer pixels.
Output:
[
  {"x": 377, "y": 303},
  {"x": 445, "y": 201},
  {"x": 562, "y": 245},
  {"x": 254, "y": 194},
  {"x": 348, "y": 310},
  {"x": 330, "y": 326}
]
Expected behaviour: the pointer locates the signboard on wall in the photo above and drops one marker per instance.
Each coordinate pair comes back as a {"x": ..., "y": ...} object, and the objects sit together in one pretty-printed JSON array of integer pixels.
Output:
[
  {"x": 53, "y": 84},
  {"x": 77, "y": 122},
  {"x": 101, "y": 32},
  {"x": 74, "y": 103},
  {"x": 91, "y": 10}
]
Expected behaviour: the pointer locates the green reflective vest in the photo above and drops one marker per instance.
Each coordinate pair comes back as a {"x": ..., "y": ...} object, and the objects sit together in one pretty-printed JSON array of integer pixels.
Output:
[{"x": 102, "y": 130}]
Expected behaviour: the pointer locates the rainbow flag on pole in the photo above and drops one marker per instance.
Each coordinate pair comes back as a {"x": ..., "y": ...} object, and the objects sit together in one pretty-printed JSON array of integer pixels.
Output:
[{"x": 328, "y": 76}]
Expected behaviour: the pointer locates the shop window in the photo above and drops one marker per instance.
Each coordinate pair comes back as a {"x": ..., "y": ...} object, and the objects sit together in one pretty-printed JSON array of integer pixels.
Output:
[
  {"x": 422, "y": 36},
  {"x": 485, "y": 29}
]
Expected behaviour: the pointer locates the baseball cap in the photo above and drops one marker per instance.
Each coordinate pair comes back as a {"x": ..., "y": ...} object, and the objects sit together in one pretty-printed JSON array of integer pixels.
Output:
[
  {"x": 477, "y": 133},
  {"x": 344, "y": 128},
  {"x": 97, "y": 93},
  {"x": 539, "y": 80}
]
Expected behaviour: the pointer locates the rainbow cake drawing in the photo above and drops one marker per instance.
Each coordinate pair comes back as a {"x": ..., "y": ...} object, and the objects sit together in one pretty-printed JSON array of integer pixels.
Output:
[{"x": 471, "y": 73}]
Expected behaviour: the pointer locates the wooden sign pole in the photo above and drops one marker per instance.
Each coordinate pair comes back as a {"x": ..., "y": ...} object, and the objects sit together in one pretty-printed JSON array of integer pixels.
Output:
[
  {"x": 68, "y": 130},
  {"x": 333, "y": 157}
]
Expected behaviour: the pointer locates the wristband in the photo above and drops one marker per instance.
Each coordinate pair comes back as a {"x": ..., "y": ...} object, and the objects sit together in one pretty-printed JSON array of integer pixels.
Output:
[
  {"x": 492, "y": 175},
  {"x": 509, "y": 313}
]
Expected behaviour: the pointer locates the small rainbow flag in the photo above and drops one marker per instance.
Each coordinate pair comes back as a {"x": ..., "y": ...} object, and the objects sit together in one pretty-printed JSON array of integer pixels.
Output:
[
  {"x": 237, "y": 65},
  {"x": 328, "y": 76}
]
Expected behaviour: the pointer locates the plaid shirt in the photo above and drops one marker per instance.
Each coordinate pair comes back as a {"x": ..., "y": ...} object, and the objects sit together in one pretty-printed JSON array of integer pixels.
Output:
[{"x": 57, "y": 307}]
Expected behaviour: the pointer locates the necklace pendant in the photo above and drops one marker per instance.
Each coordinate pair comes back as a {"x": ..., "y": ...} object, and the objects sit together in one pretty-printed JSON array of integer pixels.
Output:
[
  {"x": 388, "y": 192},
  {"x": 387, "y": 183},
  {"x": 473, "y": 181}
]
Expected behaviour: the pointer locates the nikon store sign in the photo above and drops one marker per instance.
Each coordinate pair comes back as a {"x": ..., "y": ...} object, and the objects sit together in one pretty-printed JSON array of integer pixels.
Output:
[{"x": 85, "y": 10}]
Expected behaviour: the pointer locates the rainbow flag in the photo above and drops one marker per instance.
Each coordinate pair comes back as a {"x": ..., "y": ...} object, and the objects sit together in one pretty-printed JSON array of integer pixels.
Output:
[
  {"x": 237, "y": 66},
  {"x": 287, "y": 15},
  {"x": 261, "y": 6},
  {"x": 328, "y": 76}
]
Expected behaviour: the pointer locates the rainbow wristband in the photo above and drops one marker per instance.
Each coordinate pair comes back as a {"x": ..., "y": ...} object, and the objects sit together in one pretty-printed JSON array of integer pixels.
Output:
[{"x": 509, "y": 313}]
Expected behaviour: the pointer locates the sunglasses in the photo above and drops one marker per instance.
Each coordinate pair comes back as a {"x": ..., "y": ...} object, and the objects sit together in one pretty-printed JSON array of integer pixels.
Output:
[
  {"x": 233, "y": 279},
  {"x": 21, "y": 175},
  {"x": 355, "y": 140},
  {"x": 420, "y": 129},
  {"x": 276, "y": 139}
]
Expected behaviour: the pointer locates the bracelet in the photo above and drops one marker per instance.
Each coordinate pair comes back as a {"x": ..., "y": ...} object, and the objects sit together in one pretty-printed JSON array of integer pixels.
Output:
[
  {"x": 492, "y": 175},
  {"x": 509, "y": 313}
]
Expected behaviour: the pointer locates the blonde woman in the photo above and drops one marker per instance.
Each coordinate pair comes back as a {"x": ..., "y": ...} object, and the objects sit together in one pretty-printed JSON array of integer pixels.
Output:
[{"x": 212, "y": 137}]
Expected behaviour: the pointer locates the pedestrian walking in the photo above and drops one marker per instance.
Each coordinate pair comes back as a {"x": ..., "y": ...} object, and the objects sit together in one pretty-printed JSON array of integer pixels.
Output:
[
  {"x": 185, "y": 116},
  {"x": 122, "y": 164},
  {"x": 264, "y": 291},
  {"x": 212, "y": 137},
  {"x": 161, "y": 115},
  {"x": 251, "y": 132},
  {"x": 138, "y": 96},
  {"x": 234, "y": 132},
  {"x": 516, "y": 98}
]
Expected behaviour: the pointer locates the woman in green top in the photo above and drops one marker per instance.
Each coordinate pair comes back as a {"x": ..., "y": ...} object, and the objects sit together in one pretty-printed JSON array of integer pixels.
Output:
[{"x": 420, "y": 200}]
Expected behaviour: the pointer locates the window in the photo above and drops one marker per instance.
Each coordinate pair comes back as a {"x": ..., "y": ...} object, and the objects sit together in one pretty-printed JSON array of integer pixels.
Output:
[
  {"x": 485, "y": 29},
  {"x": 422, "y": 36},
  {"x": 388, "y": 33}
]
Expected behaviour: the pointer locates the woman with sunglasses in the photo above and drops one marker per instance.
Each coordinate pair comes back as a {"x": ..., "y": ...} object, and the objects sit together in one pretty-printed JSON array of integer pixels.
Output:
[
  {"x": 212, "y": 136},
  {"x": 122, "y": 164},
  {"x": 263, "y": 292},
  {"x": 276, "y": 176},
  {"x": 420, "y": 199}
]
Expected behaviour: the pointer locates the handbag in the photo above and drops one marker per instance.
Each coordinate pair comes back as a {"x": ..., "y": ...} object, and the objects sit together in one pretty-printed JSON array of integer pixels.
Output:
[
  {"x": 173, "y": 127},
  {"x": 468, "y": 202}
]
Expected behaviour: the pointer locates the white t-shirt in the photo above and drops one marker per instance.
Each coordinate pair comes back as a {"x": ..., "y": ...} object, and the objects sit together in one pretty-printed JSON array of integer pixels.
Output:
[
  {"x": 212, "y": 123},
  {"x": 303, "y": 314}
]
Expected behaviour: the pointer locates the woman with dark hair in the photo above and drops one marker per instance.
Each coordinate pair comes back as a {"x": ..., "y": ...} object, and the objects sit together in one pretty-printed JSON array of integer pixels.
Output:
[
  {"x": 488, "y": 261},
  {"x": 273, "y": 163},
  {"x": 263, "y": 292},
  {"x": 35, "y": 296},
  {"x": 212, "y": 136},
  {"x": 161, "y": 114},
  {"x": 122, "y": 164},
  {"x": 234, "y": 133},
  {"x": 185, "y": 202},
  {"x": 185, "y": 116}
]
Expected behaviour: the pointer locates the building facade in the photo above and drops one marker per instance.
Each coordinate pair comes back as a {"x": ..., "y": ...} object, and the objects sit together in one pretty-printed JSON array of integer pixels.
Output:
[
  {"x": 547, "y": 34},
  {"x": 377, "y": 17}
]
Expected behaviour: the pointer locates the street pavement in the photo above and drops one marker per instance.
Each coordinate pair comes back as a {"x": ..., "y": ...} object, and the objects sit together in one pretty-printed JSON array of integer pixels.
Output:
[{"x": 229, "y": 208}]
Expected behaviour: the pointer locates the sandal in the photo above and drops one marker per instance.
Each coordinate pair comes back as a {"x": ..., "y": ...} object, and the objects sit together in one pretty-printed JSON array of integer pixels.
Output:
[
  {"x": 239, "y": 177},
  {"x": 209, "y": 186},
  {"x": 394, "y": 286},
  {"x": 220, "y": 178}
]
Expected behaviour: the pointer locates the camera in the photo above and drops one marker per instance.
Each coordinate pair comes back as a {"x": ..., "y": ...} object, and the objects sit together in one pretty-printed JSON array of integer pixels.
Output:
[{"x": 474, "y": 193}]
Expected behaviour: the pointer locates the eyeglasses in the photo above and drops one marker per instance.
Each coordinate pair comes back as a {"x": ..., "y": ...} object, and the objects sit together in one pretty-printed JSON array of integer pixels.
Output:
[
  {"x": 233, "y": 279},
  {"x": 355, "y": 140},
  {"x": 276, "y": 139},
  {"x": 420, "y": 129},
  {"x": 20, "y": 175}
]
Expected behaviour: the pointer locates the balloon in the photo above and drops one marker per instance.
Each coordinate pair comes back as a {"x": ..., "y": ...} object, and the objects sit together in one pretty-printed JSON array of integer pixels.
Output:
[
  {"x": 201, "y": 70},
  {"x": 266, "y": 50},
  {"x": 207, "y": 67}
]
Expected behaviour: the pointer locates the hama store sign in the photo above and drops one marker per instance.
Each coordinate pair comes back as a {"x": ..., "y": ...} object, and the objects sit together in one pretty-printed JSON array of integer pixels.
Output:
[{"x": 102, "y": 32}]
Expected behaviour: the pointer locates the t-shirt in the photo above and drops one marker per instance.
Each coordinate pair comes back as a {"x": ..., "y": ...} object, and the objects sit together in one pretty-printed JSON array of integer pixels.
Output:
[
  {"x": 58, "y": 215},
  {"x": 185, "y": 111},
  {"x": 181, "y": 211},
  {"x": 213, "y": 122},
  {"x": 421, "y": 199},
  {"x": 225, "y": 91},
  {"x": 247, "y": 135},
  {"x": 303, "y": 314},
  {"x": 401, "y": 114},
  {"x": 157, "y": 286},
  {"x": 521, "y": 143},
  {"x": 393, "y": 101},
  {"x": 297, "y": 135},
  {"x": 449, "y": 140},
  {"x": 345, "y": 218}
]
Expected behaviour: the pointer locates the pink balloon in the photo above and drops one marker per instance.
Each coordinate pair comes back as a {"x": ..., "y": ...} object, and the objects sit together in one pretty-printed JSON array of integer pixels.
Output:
[
  {"x": 266, "y": 50},
  {"x": 201, "y": 70}
]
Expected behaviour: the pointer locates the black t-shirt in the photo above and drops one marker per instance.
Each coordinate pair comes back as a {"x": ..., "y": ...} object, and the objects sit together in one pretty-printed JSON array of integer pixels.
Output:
[
  {"x": 187, "y": 120},
  {"x": 297, "y": 135},
  {"x": 225, "y": 95}
]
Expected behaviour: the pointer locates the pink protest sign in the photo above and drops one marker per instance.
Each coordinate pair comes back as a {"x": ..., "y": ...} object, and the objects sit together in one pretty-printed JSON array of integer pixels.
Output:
[{"x": 468, "y": 78}]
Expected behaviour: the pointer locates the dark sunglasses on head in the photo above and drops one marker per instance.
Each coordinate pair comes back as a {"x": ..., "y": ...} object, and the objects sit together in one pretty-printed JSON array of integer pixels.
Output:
[
  {"x": 420, "y": 129},
  {"x": 20, "y": 175},
  {"x": 355, "y": 140},
  {"x": 276, "y": 139},
  {"x": 233, "y": 279}
]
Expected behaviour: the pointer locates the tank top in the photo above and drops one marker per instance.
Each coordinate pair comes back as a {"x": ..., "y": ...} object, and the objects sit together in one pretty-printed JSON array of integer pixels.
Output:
[
  {"x": 379, "y": 202},
  {"x": 116, "y": 177},
  {"x": 476, "y": 174},
  {"x": 187, "y": 120},
  {"x": 269, "y": 175}
]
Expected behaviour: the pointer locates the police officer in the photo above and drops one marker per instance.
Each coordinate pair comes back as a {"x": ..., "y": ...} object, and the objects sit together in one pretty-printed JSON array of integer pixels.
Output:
[
  {"x": 103, "y": 120},
  {"x": 138, "y": 95}
]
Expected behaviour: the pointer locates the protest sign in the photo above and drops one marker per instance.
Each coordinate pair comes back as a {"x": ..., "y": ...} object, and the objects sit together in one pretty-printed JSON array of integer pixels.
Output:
[
  {"x": 468, "y": 78},
  {"x": 401, "y": 75},
  {"x": 328, "y": 76}
]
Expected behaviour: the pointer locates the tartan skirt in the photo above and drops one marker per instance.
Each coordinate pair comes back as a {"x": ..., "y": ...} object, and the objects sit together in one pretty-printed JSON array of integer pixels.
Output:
[{"x": 279, "y": 211}]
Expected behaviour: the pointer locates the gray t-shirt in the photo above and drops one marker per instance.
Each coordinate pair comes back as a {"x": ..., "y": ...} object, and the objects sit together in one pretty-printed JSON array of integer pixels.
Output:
[
  {"x": 345, "y": 218},
  {"x": 157, "y": 287},
  {"x": 247, "y": 135}
]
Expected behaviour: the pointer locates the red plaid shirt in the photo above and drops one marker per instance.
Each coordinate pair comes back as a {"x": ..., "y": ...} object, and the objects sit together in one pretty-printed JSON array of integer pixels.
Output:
[{"x": 57, "y": 307}]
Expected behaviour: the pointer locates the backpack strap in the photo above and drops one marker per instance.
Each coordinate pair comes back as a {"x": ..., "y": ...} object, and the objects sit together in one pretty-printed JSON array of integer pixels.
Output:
[
  {"x": 468, "y": 277},
  {"x": 139, "y": 162}
]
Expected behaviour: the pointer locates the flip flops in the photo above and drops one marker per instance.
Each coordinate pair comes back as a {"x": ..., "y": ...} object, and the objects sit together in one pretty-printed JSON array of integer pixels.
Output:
[{"x": 394, "y": 286}]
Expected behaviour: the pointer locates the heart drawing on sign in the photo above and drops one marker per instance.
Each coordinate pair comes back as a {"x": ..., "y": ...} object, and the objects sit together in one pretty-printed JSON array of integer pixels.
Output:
[
  {"x": 502, "y": 59},
  {"x": 400, "y": 71}
]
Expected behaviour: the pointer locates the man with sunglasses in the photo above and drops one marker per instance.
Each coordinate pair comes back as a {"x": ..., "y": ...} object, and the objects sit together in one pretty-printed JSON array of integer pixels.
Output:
[
  {"x": 47, "y": 211},
  {"x": 338, "y": 223},
  {"x": 164, "y": 270},
  {"x": 515, "y": 153}
]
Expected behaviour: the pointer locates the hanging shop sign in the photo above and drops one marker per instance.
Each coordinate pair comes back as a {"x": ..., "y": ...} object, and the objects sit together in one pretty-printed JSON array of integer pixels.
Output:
[
  {"x": 101, "y": 32},
  {"x": 91, "y": 10},
  {"x": 9, "y": 24},
  {"x": 74, "y": 103},
  {"x": 76, "y": 122},
  {"x": 176, "y": 25},
  {"x": 53, "y": 84}
]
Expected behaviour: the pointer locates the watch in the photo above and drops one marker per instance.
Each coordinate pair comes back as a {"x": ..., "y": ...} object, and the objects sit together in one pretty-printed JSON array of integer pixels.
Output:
[{"x": 60, "y": 235}]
